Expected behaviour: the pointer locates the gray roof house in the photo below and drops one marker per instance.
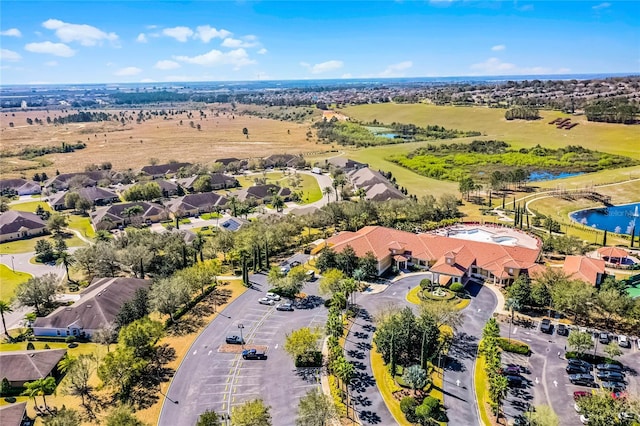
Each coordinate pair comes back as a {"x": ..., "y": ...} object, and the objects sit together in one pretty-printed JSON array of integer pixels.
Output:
[
  {"x": 16, "y": 224},
  {"x": 284, "y": 160},
  {"x": 62, "y": 181},
  {"x": 95, "y": 195},
  {"x": 14, "y": 415},
  {"x": 98, "y": 305},
  {"x": 19, "y": 186},
  {"x": 26, "y": 366},
  {"x": 218, "y": 181},
  {"x": 377, "y": 187},
  {"x": 345, "y": 164},
  {"x": 194, "y": 204},
  {"x": 162, "y": 170},
  {"x": 263, "y": 192},
  {"x": 114, "y": 215}
]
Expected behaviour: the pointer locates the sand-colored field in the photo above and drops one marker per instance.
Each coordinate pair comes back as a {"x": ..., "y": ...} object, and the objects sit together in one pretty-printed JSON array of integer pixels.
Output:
[{"x": 132, "y": 145}]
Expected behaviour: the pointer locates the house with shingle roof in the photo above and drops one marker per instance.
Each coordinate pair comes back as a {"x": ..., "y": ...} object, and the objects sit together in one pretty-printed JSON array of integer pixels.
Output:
[
  {"x": 62, "y": 181},
  {"x": 284, "y": 160},
  {"x": 15, "y": 415},
  {"x": 450, "y": 259},
  {"x": 19, "y": 186},
  {"x": 95, "y": 195},
  {"x": 195, "y": 204},
  {"x": 217, "y": 180},
  {"x": 345, "y": 164},
  {"x": 116, "y": 214},
  {"x": 15, "y": 225},
  {"x": 99, "y": 304},
  {"x": 163, "y": 170},
  {"x": 376, "y": 186},
  {"x": 20, "y": 367},
  {"x": 263, "y": 193},
  {"x": 585, "y": 268}
]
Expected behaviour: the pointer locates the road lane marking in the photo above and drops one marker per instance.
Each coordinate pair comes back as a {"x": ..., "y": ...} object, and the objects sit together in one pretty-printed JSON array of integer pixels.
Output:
[
  {"x": 209, "y": 353},
  {"x": 195, "y": 352}
]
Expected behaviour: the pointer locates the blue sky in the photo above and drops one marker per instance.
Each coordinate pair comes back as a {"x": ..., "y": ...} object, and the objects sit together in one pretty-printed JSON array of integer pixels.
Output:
[{"x": 156, "y": 41}]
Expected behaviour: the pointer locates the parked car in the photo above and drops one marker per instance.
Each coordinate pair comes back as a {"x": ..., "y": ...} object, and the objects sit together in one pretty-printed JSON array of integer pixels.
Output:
[
  {"x": 284, "y": 269},
  {"x": 580, "y": 394},
  {"x": 265, "y": 301},
  {"x": 295, "y": 263},
  {"x": 234, "y": 340},
  {"x": 514, "y": 381},
  {"x": 610, "y": 376},
  {"x": 609, "y": 367},
  {"x": 582, "y": 379},
  {"x": 603, "y": 338},
  {"x": 511, "y": 369},
  {"x": 253, "y": 354},
  {"x": 284, "y": 307},
  {"x": 546, "y": 327},
  {"x": 310, "y": 275},
  {"x": 576, "y": 369},
  {"x": 580, "y": 363},
  {"x": 273, "y": 296},
  {"x": 624, "y": 342},
  {"x": 613, "y": 386},
  {"x": 563, "y": 330}
]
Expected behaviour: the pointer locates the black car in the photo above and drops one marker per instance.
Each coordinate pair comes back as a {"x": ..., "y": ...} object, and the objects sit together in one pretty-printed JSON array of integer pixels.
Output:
[
  {"x": 515, "y": 381},
  {"x": 253, "y": 354},
  {"x": 613, "y": 386},
  {"x": 234, "y": 340},
  {"x": 610, "y": 376},
  {"x": 284, "y": 307},
  {"x": 562, "y": 330},
  {"x": 609, "y": 367},
  {"x": 580, "y": 363},
  {"x": 546, "y": 327},
  {"x": 582, "y": 379},
  {"x": 577, "y": 369}
]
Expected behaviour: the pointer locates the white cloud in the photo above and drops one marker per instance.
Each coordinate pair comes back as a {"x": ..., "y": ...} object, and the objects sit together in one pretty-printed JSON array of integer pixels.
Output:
[
  {"x": 206, "y": 33},
  {"x": 51, "y": 63},
  {"x": 142, "y": 38},
  {"x": 395, "y": 70},
  {"x": 147, "y": 80},
  {"x": 347, "y": 75},
  {"x": 128, "y": 71},
  {"x": 56, "y": 49},
  {"x": 601, "y": 6},
  {"x": 11, "y": 32},
  {"x": 166, "y": 65},
  {"x": 181, "y": 34},
  {"x": 494, "y": 66},
  {"x": 323, "y": 66},
  {"x": 9, "y": 55},
  {"x": 86, "y": 35},
  {"x": 234, "y": 43},
  {"x": 262, "y": 51},
  {"x": 237, "y": 58},
  {"x": 498, "y": 47}
]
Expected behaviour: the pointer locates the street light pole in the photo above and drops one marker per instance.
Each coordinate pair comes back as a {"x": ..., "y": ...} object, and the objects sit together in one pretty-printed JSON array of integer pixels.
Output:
[
  {"x": 12, "y": 267},
  {"x": 241, "y": 327}
]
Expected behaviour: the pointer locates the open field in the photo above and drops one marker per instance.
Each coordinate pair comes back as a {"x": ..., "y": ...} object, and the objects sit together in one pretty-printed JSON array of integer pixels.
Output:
[
  {"x": 10, "y": 281},
  {"x": 132, "y": 145}
]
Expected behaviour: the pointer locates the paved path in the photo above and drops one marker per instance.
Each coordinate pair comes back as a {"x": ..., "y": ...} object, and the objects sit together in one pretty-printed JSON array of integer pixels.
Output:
[{"x": 459, "y": 391}]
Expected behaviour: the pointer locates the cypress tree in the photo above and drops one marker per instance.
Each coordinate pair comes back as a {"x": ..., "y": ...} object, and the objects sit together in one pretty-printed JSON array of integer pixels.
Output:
[
  {"x": 633, "y": 235},
  {"x": 604, "y": 238}
]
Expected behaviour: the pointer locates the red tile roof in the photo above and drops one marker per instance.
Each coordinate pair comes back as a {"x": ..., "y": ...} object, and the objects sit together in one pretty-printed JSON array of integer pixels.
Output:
[
  {"x": 583, "y": 268},
  {"x": 612, "y": 252}
]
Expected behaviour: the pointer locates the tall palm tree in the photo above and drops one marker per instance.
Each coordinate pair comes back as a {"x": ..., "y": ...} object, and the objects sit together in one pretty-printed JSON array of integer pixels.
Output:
[
  {"x": 40, "y": 387},
  {"x": 65, "y": 258},
  {"x": 277, "y": 202},
  {"x": 511, "y": 304},
  {"x": 5, "y": 307},
  {"x": 327, "y": 190}
]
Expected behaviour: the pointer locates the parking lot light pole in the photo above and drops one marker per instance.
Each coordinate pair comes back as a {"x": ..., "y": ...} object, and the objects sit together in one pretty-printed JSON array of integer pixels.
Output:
[{"x": 241, "y": 327}]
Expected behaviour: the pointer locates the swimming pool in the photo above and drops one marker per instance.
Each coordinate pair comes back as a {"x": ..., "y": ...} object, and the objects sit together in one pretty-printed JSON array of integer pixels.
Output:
[{"x": 483, "y": 236}]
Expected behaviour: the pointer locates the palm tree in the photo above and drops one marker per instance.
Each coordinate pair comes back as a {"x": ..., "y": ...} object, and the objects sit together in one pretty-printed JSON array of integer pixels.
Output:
[
  {"x": 327, "y": 190},
  {"x": 277, "y": 202},
  {"x": 40, "y": 387},
  {"x": 511, "y": 304},
  {"x": 132, "y": 211},
  {"x": 65, "y": 258},
  {"x": 5, "y": 307}
]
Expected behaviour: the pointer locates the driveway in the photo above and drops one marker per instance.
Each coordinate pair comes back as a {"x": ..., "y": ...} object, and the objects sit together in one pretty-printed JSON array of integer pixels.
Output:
[{"x": 209, "y": 379}]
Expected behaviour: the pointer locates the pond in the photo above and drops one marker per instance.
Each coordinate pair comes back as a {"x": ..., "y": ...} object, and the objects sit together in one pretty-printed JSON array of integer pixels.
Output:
[
  {"x": 383, "y": 132},
  {"x": 618, "y": 219},
  {"x": 540, "y": 176}
]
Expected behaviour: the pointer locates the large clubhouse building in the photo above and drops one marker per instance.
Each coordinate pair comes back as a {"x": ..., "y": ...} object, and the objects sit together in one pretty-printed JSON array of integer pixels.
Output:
[{"x": 450, "y": 258}]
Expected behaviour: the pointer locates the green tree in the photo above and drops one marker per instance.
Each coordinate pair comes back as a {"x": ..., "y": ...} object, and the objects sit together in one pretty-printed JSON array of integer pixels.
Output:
[
  {"x": 330, "y": 282},
  {"x": 512, "y": 304},
  {"x": 120, "y": 370},
  {"x": 122, "y": 415},
  {"x": 326, "y": 260},
  {"x": 56, "y": 223},
  {"x": 302, "y": 344},
  {"x": 316, "y": 409},
  {"x": 106, "y": 335},
  {"x": 78, "y": 377},
  {"x": 44, "y": 251},
  {"x": 40, "y": 387},
  {"x": 168, "y": 294},
  {"x": 202, "y": 184},
  {"x": 65, "y": 364},
  {"x": 580, "y": 341},
  {"x": 251, "y": 413},
  {"x": 426, "y": 411},
  {"x": 277, "y": 202},
  {"x": 543, "y": 415},
  {"x": 347, "y": 261},
  {"x": 601, "y": 408},
  {"x": 70, "y": 199},
  {"x": 612, "y": 303},
  {"x": 64, "y": 417},
  {"x": 416, "y": 377},
  {"x": 38, "y": 292},
  {"x": 369, "y": 265},
  {"x": 133, "y": 212},
  {"x": 498, "y": 387},
  {"x": 540, "y": 295},
  {"x": 520, "y": 291},
  {"x": 209, "y": 418},
  {"x": 141, "y": 336},
  {"x": 612, "y": 350},
  {"x": 5, "y": 308}
]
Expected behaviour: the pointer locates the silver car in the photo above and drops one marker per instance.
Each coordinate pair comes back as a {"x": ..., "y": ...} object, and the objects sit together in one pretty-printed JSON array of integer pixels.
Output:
[{"x": 265, "y": 301}]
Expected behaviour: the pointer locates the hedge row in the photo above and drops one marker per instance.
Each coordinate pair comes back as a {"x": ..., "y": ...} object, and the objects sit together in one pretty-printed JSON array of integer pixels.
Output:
[
  {"x": 515, "y": 347},
  {"x": 427, "y": 294},
  {"x": 592, "y": 359}
]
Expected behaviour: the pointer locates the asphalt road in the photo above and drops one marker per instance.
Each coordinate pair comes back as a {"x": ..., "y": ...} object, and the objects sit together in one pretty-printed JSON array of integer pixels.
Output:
[{"x": 208, "y": 379}]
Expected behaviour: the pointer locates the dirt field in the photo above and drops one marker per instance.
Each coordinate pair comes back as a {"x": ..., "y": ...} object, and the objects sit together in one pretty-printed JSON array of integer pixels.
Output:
[{"x": 132, "y": 145}]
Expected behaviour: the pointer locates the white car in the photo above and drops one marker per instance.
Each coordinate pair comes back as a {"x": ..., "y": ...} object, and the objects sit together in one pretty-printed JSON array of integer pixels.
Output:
[
  {"x": 273, "y": 296},
  {"x": 265, "y": 301},
  {"x": 624, "y": 342}
]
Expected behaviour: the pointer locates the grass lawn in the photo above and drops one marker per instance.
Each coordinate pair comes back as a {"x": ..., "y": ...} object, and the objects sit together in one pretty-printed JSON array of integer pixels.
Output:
[
  {"x": 81, "y": 224},
  {"x": 482, "y": 390},
  {"x": 309, "y": 187},
  {"x": 207, "y": 216},
  {"x": 28, "y": 245},
  {"x": 386, "y": 386},
  {"x": 10, "y": 281},
  {"x": 30, "y": 206}
]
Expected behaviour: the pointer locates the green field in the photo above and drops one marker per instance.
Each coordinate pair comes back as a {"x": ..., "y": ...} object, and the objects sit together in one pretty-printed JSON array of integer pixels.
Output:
[
  {"x": 9, "y": 281},
  {"x": 81, "y": 224},
  {"x": 30, "y": 206},
  {"x": 311, "y": 192}
]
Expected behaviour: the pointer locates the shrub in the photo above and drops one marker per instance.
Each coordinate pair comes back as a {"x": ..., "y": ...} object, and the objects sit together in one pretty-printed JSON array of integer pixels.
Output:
[
  {"x": 456, "y": 287},
  {"x": 515, "y": 347},
  {"x": 428, "y": 409},
  {"x": 309, "y": 360},
  {"x": 336, "y": 394},
  {"x": 592, "y": 359},
  {"x": 448, "y": 296},
  {"x": 46, "y": 346},
  {"x": 70, "y": 339},
  {"x": 425, "y": 283},
  {"x": 30, "y": 347},
  {"x": 408, "y": 406}
]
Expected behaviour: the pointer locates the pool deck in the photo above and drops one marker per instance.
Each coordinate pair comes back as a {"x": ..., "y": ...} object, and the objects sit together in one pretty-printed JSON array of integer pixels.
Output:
[{"x": 494, "y": 234}]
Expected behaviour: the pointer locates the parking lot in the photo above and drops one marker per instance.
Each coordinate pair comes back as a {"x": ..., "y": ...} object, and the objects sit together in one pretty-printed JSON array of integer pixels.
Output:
[
  {"x": 545, "y": 379},
  {"x": 214, "y": 375}
]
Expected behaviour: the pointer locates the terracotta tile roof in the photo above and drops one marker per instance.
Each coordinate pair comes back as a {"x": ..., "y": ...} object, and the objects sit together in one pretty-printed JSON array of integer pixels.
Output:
[
  {"x": 612, "y": 252},
  {"x": 583, "y": 268}
]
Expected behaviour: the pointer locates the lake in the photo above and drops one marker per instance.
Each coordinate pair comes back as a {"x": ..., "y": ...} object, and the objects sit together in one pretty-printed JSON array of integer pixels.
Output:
[
  {"x": 541, "y": 176},
  {"x": 618, "y": 219}
]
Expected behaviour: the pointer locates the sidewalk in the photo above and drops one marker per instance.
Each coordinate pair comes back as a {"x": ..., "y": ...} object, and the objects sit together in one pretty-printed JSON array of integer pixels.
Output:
[{"x": 500, "y": 306}]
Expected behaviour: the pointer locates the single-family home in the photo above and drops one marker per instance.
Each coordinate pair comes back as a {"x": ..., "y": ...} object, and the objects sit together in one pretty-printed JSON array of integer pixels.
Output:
[
  {"x": 163, "y": 170},
  {"x": 98, "y": 305},
  {"x": 20, "y": 367},
  {"x": 15, "y": 415},
  {"x": 376, "y": 186},
  {"x": 450, "y": 259},
  {"x": 124, "y": 213},
  {"x": 233, "y": 223},
  {"x": 585, "y": 268},
  {"x": 167, "y": 187},
  {"x": 195, "y": 204},
  {"x": 614, "y": 255},
  {"x": 217, "y": 181},
  {"x": 95, "y": 195},
  {"x": 263, "y": 193},
  {"x": 63, "y": 181},
  {"x": 19, "y": 187},
  {"x": 345, "y": 164},
  {"x": 284, "y": 160},
  {"x": 15, "y": 224}
]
